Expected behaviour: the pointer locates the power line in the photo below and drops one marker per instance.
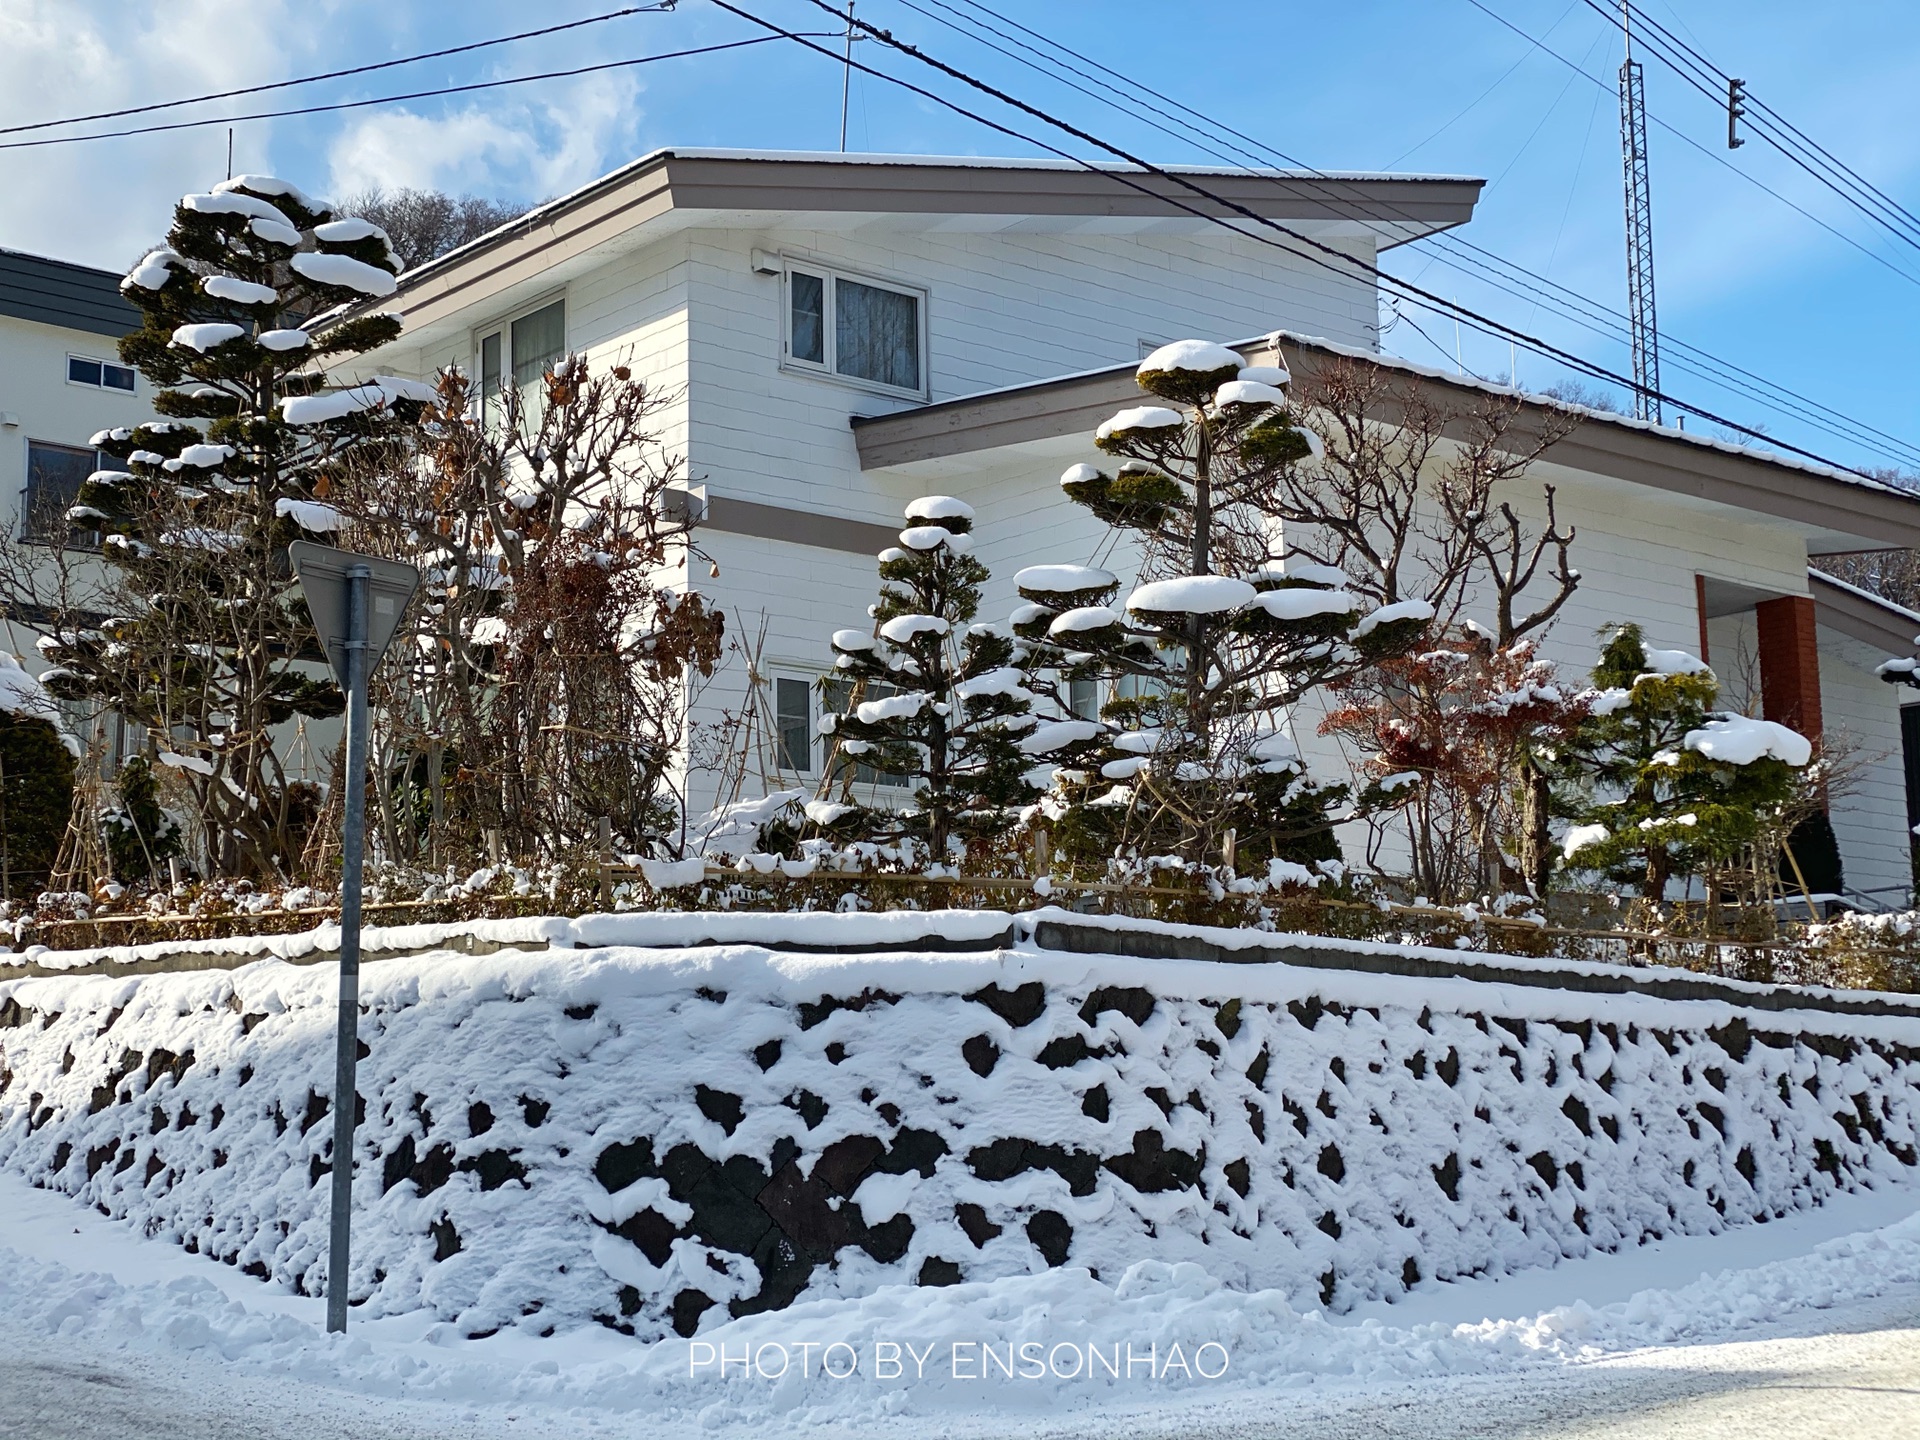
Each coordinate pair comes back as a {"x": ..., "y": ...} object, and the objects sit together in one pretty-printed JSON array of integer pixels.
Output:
[
  {"x": 1703, "y": 75},
  {"x": 1491, "y": 269},
  {"x": 1720, "y": 160},
  {"x": 663, "y": 6},
  {"x": 1339, "y": 261},
  {"x": 388, "y": 99}
]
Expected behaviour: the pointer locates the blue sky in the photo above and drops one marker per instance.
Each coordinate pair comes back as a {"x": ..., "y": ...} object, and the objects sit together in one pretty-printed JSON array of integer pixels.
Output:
[{"x": 1439, "y": 86}]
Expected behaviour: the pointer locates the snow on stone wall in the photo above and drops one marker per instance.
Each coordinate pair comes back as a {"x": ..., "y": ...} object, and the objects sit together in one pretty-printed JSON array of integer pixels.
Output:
[{"x": 654, "y": 1139}]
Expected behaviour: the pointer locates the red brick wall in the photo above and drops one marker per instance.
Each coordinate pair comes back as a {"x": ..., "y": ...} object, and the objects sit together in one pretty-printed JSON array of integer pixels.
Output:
[{"x": 1789, "y": 663}]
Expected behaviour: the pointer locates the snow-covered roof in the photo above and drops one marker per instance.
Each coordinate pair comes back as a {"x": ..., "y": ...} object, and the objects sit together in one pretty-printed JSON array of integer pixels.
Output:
[{"x": 1761, "y": 480}]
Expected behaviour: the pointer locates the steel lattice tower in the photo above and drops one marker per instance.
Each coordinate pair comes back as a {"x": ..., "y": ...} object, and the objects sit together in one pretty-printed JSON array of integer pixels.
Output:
[{"x": 1633, "y": 147}]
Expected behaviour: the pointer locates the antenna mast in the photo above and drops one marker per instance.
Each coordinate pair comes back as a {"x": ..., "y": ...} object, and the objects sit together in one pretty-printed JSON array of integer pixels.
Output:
[{"x": 1640, "y": 310}]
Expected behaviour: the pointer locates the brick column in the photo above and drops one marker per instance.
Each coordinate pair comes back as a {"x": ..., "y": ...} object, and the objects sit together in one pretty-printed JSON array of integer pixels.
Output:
[{"x": 1790, "y": 663}]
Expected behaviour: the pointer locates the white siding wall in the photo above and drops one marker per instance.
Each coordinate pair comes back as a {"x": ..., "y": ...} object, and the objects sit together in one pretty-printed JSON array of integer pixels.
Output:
[{"x": 1862, "y": 714}]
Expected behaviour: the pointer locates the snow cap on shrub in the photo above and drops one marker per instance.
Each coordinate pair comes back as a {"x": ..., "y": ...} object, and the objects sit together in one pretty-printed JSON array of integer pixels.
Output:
[{"x": 942, "y": 510}]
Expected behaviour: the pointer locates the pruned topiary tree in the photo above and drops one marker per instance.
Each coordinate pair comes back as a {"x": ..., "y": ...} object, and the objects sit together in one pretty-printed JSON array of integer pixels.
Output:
[
  {"x": 934, "y": 698},
  {"x": 208, "y": 646}
]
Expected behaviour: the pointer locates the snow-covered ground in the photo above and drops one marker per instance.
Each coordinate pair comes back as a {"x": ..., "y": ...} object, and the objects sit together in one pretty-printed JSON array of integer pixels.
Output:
[{"x": 1803, "y": 1325}]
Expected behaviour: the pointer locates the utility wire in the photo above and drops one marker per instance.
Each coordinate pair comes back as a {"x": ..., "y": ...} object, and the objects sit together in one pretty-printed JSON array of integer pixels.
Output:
[
  {"x": 1485, "y": 265},
  {"x": 390, "y": 99},
  {"x": 1710, "y": 80},
  {"x": 663, "y": 6},
  {"x": 1337, "y": 261},
  {"x": 1717, "y": 158}
]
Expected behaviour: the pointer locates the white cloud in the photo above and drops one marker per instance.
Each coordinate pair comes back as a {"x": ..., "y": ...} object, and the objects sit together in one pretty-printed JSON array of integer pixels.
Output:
[
  {"x": 502, "y": 148},
  {"x": 103, "y": 201}
]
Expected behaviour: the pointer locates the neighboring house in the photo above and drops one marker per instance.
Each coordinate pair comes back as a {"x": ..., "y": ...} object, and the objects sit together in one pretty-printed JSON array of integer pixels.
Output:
[{"x": 845, "y": 333}]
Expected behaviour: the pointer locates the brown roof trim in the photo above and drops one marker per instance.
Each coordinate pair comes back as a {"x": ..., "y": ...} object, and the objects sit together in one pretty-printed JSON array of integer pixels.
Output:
[
  {"x": 798, "y": 527},
  {"x": 1602, "y": 444},
  {"x": 1863, "y": 615},
  {"x": 733, "y": 181}
]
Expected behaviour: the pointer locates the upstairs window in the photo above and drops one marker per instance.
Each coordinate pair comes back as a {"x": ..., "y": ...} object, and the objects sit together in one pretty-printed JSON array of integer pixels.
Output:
[
  {"x": 871, "y": 332},
  {"x": 99, "y": 374},
  {"x": 518, "y": 354},
  {"x": 793, "y": 719}
]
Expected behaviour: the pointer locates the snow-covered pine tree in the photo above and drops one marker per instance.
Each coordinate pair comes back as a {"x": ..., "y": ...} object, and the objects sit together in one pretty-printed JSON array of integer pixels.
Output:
[
  {"x": 208, "y": 650},
  {"x": 1225, "y": 634},
  {"x": 935, "y": 699},
  {"x": 1677, "y": 785}
]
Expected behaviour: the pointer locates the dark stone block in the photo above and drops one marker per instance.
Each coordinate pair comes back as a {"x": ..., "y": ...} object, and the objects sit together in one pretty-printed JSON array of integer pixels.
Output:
[
  {"x": 62, "y": 1153},
  {"x": 803, "y": 1210},
  {"x": 316, "y": 1167},
  {"x": 434, "y": 1170},
  {"x": 836, "y": 1053},
  {"x": 495, "y": 1168},
  {"x": 398, "y": 1165},
  {"x": 1001, "y": 1160},
  {"x": 683, "y": 1170},
  {"x": 912, "y": 1150},
  {"x": 620, "y": 1165},
  {"x": 811, "y": 1107},
  {"x": 446, "y": 1239},
  {"x": 1151, "y": 1168},
  {"x": 1051, "y": 1235},
  {"x": 1332, "y": 1164},
  {"x": 1307, "y": 1011},
  {"x": 1130, "y": 1000},
  {"x": 534, "y": 1112},
  {"x": 1410, "y": 1272},
  {"x": 981, "y": 1055},
  {"x": 652, "y": 1232},
  {"x": 1717, "y": 1117},
  {"x": 1019, "y": 1007},
  {"x": 845, "y": 1163},
  {"x": 630, "y": 1302},
  {"x": 1096, "y": 1104},
  {"x": 973, "y": 1220},
  {"x": 1065, "y": 1051},
  {"x": 888, "y": 1242},
  {"x": 1256, "y": 1121},
  {"x": 1577, "y": 1174},
  {"x": 1447, "y": 1177},
  {"x": 725, "y": 1216},
  {"x": 581, "y": 1012},
  {"x": 1330, "y": 1224},
  {"x": 1547, "y": 1168},
  {"x": 1257, "y": 1072},
  {"x": 1575, "y": 1110},
  {"x": 1449, "y": 1068},
  {"x": 1239, "y": 1176},
  {"x": 688, "y": 1306},
  {"x": 786, "y": 1150},
  {"x": 1417, "y": 1063},
  {"x": 724, "y": 1109},
  {"x": 767, "y": 1055},
  {"x": 935, "y": 1271},
  {"x": 1227, "y": 1018},
  {"x": 1517, "y": 1028},
  {"x": 813, "y": 1012},
  {"x": 1735, "y": 1037},
  {"x": 479, "y": 1118},
  {"x": 1610, "y": 1127},
  {"x": 317, "y": 1107}
]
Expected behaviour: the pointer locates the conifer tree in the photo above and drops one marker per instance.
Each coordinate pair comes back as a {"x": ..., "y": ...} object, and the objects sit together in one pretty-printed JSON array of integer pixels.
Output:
[
  {"x": 1677, "y": 784},
  {"x": 1226, "y": 633},
  {"x": 956, "y": 698},
  {"x": 211, "y": 647}
]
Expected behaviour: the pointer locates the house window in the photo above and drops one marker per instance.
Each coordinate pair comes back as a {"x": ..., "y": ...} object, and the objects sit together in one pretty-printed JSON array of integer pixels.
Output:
[
  {"x": 99, "y": 374},
  {"x": 793, "y": 724},
  {"x": 867, "y": 331},
  {"x": 836, "y": 696},
  {"x": 55, "y": 474},
  {"x": 519, "y": 354},
  {"x": 1083, "y": 698}
]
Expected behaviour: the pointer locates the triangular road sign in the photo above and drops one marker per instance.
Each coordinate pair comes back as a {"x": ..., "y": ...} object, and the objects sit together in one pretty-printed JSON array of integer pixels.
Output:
[{"x": 322, "y": 573}]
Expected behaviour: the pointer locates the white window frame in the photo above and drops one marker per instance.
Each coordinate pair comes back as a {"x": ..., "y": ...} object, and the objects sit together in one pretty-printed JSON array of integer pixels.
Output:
[
  {"x": 102, "y": 387},
  {"x": 503, "y": 327},
  {"x": 794, "y": 675},
  {"x": 823, "y": 369}
]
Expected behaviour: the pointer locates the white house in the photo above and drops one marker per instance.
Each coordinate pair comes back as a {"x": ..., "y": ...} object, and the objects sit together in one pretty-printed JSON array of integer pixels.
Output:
[
  {"x": 848, "y": 332},
  {"x": 61, "y": 381}
]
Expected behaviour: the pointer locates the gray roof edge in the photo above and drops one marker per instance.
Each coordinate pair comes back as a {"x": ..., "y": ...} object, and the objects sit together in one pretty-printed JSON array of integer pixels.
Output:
[
  {"x": 653, "y": 159},
  {"x": 63, "y": 293}
]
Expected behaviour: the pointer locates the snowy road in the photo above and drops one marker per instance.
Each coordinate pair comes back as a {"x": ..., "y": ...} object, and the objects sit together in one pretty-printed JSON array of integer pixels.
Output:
[{"x": 1809, "y": 1327}]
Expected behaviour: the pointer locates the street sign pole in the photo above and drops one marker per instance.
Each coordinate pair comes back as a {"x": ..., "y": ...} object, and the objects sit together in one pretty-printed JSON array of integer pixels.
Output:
[
  {"x": 356, "y": 602},
  {"x": 352, "y": 852}
]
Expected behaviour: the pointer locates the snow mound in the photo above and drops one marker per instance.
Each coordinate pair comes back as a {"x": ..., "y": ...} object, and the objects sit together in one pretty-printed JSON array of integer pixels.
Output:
[
  {"x": 1086, "y": 617},
  {"x": 903, "y": 629},
  {"x": 225, "y": 202},
  {"x": 1079, "y": 474},
  {"x": 1741, "y": 740},
  {"x": 1192, "y": 595},
  {"x": 939, "y": 507},
  {"x": 272, "y": 185},
  {"x": 1392, "y": 615},
  {"x": 1063, "y": 579},
  {"x": 343, "y": 271},
  {"x": 278, "y": 340},
  {"x": 240, "y": 292},
  {"x": 1139, "y": 417},
  {"x": 1248, "y": 392},
  {"x": 1301, "y": 602},
  {"x": 1053, "y": 735},
  {"x": 311, "y": 516},
  {"x": 1674, "y": 662},
  {"x": 1199, "y": 356},
  {"x": 204, "y": 337}
]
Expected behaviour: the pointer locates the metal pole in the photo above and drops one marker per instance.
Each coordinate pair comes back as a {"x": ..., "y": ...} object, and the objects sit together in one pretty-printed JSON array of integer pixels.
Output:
[
  {"x": 347, "y": 1041},
  {"x": 846, "y": 79}
]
